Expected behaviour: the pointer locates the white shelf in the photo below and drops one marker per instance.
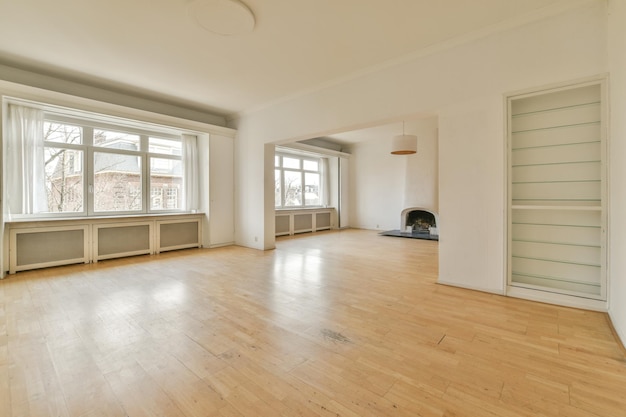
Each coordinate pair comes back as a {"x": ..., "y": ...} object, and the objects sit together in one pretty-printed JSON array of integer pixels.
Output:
[
  {"x": 556, "y": 192},
  {"x": 580, "y": 208}
]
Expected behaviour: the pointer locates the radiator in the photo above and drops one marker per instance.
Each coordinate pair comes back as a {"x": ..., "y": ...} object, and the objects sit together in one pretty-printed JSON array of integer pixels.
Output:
[
  {"x": 118, "y": 240},
  {"x": 322, "y": 221},
  {"x": 303, "y": 222},
  {"x": 172, "y": 235},
  {"x": 290, "y": 222},
  {"x": 48, "y": 246},
  {"x": 40, "y": 244},
  {"x": 283, "y": 224}
]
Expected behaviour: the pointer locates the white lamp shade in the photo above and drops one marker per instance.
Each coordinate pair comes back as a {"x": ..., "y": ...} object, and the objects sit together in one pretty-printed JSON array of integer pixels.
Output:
[{"x": 404, "y": 145}]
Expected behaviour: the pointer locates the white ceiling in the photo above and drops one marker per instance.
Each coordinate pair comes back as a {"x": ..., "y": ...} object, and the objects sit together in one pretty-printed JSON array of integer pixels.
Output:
[
  {"x": 378, "y": 132},
  {"x": 153, "y": 47}
]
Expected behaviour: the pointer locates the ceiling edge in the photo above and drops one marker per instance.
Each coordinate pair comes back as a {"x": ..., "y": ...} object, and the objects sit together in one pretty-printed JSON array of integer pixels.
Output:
[
  {"x": 518, "y": 21},
  {"x": 117, "y": 96}
]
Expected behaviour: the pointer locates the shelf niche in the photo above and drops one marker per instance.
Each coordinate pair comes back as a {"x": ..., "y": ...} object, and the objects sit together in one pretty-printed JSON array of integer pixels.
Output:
[{"x": 556, "y": 188}]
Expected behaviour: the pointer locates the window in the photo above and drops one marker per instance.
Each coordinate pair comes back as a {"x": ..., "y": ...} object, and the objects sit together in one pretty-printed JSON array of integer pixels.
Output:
[
  {"x": 166, "y": 173},
  {"x": 63, "y": 156},
  {"x": 297, "y": 181},
  {"x": 92, "y": 167},
  {"x": 117, "y": 182}
]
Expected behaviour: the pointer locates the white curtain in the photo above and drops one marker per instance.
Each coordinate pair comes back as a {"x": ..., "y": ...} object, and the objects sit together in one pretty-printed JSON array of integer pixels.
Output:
[
  {"x": 190, "y": 161},
  {"x": 25, "y": 186}
]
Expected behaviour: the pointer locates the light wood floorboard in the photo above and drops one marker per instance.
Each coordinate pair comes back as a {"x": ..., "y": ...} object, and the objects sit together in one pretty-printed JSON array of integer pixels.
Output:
[{"x": 342, "y": 323}]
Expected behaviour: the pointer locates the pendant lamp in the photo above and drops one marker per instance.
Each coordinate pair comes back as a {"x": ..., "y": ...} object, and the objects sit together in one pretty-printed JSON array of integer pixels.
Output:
[{"x": 404, "y": 144}]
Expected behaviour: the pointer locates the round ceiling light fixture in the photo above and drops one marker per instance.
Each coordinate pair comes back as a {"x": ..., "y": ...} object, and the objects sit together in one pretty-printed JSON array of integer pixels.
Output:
[{"x": 222, "y": 17}]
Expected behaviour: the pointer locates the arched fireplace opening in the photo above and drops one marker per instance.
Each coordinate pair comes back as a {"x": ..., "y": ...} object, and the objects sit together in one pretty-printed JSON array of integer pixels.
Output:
[
  {"x": 417, "y": 223},
  {"x": 419, "y": 219}
]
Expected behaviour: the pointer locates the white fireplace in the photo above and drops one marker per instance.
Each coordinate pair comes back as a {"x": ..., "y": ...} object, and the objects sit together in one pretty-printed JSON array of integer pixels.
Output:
[{"x": 419, "y": 220}]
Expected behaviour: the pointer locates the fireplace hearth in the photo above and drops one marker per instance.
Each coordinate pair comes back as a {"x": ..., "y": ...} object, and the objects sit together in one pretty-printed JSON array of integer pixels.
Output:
[{"x": 416, "y": 223}]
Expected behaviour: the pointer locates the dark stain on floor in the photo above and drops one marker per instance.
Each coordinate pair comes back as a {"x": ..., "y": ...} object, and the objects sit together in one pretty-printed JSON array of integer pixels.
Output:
[{"x": 334, "y": 336}]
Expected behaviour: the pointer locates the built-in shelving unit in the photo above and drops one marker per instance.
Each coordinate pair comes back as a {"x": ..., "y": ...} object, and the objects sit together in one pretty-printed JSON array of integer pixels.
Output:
[{"x": 556, "y": 191}]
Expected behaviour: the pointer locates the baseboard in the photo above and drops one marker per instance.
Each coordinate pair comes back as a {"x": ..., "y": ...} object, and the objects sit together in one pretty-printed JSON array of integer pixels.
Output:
[
  {"x": 557, "y": 299},
  {"x": 469, "y": 287},
  {"x": 618, "y": 337},
  {"x": 221, "y": 245}
]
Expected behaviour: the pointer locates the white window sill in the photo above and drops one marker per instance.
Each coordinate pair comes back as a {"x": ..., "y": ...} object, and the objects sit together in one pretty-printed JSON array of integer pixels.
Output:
[
  {"x": 303, "y": 208},
  {"x": 100, "y": 219}
]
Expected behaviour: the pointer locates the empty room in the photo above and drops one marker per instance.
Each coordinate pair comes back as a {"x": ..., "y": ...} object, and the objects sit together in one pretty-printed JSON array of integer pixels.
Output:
[{"x": 313, "y": 208}]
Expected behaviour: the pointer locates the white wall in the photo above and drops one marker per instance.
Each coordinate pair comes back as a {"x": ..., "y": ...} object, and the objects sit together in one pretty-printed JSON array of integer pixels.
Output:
[
  {"x": 250, "y": 195},
  {"x": 382, "y": 185},
  {"x": 344, "y": 193},
  {"x": 376, "y": 190},
  {"x": 465, "y": 85},
  {"x": 421, "y": 186},
  {"x": 617, "y": 166},
  {"x": 221, "y": 212},
  {"x": 472, "y": 198}
]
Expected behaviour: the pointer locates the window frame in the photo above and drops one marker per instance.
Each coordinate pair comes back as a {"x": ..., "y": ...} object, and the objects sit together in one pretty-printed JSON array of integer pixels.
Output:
[
  {"x": 75, "y": 147},
  {"x": 143, "y": 154},
  {"x": 278, "y": 157}
]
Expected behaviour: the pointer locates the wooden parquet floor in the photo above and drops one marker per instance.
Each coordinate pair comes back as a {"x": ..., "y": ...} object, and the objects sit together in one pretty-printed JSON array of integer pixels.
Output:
[{"x": 332, "y": 324}]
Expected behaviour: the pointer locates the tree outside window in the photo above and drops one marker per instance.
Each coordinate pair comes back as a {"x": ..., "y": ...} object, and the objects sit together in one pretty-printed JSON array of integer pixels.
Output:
[{"x": 63, "y": 167}]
